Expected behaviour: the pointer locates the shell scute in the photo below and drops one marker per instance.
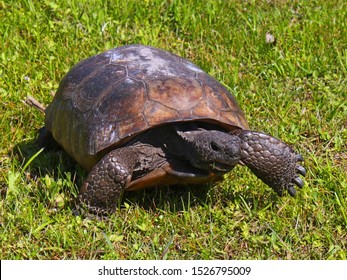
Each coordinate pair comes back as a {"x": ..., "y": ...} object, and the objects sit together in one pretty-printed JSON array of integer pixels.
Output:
[
  {"x": 122, "y": 101},
  {"x": 176, "y": 93}
]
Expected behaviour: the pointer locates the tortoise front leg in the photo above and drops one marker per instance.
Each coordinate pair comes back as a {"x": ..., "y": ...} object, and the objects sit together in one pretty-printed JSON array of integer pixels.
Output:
[
  {"x": 272, "y": 161},
  {"x": 105, "y": 183}
]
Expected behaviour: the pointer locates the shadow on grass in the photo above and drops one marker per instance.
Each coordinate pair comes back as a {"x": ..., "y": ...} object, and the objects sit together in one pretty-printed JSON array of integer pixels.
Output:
[{"x": 36, "y": 167}]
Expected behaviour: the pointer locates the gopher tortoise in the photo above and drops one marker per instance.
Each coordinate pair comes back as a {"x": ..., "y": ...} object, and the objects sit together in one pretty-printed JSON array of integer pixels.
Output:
[{"x": 137, "y": 116}]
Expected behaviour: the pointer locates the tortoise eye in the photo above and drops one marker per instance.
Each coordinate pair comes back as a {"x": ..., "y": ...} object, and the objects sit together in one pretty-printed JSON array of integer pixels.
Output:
[{"x": 215, "y": 147}]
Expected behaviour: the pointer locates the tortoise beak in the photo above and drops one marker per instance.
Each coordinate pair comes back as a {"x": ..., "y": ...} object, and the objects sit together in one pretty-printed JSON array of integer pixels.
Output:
[{"x": 220, "y": 168}]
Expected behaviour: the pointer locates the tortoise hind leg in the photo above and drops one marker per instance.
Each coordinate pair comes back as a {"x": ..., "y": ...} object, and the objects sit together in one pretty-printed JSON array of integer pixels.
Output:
[
  {"x": 105, "y": 183},
  {"x": 46, "y": 140},
  {"x": 272, "y": 161}
]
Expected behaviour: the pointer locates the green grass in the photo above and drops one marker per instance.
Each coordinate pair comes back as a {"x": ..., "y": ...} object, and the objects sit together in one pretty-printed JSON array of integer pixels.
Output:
[{"x": 294, "y": 89}]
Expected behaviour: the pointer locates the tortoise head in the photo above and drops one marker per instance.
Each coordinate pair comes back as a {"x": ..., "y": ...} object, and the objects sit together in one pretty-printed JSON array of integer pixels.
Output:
[{"x": 212, "y": 150}]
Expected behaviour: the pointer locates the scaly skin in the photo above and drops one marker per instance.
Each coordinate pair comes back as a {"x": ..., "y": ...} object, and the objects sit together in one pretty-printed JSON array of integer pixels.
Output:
[
  {"x": 104, "y": 186},
  {"x": 106, "y": 182},
  {"x": 272, "y": 161}
]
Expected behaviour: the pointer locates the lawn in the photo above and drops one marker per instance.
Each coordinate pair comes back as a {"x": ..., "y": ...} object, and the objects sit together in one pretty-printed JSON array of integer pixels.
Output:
[{"x": 293, "y": 89}]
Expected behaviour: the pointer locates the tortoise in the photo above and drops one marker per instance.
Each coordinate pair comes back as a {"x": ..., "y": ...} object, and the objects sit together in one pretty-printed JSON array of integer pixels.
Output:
[{"x": 137, "y": 117}]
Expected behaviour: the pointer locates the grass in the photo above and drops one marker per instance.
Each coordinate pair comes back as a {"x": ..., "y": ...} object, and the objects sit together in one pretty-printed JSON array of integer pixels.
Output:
[{"x": 294, "y": 89}]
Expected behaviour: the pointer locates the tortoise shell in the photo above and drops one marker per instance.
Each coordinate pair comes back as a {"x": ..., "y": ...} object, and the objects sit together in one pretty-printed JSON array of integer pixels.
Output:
[{"x": 107, "y": 99}]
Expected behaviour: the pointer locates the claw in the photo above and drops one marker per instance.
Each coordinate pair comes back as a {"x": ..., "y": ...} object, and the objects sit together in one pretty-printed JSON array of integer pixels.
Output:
[
  {"x": 298, "y": 182},
  {"x": 301, "y": 170},
  {"x": 299, "y": 158},
  {"x": 291, "y": 190}
]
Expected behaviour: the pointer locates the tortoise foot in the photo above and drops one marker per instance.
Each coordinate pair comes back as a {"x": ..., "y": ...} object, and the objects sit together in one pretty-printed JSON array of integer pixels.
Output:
[
  {"x": 104, "y": 186},
  {"x": 272, "y": 161}
]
